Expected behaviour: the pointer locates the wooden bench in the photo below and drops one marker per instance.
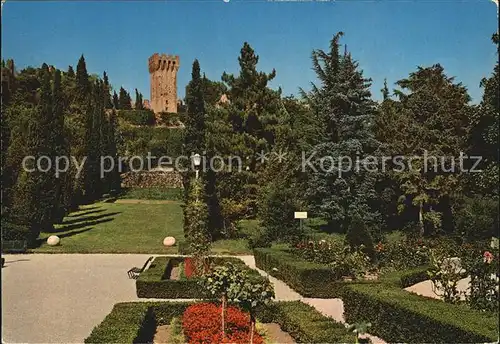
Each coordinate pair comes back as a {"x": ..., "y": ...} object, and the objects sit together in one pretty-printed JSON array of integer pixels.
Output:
[
  {"x": 135, "y": 272},
  {"x": 14, "y": 246}
]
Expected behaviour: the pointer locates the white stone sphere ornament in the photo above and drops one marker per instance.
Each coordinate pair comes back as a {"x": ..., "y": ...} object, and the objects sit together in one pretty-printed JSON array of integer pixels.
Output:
[
  {"x": 169, "y": 241},
  {"x": 53, "y": 240}
]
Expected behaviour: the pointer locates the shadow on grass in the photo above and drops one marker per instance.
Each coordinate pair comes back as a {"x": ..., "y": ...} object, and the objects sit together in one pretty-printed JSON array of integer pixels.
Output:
[
  {"x": 84, "y": 223},
  {"x": 87, "y": 218},
  {"x": 40, "y": 241},
  {"x": 84, "y": 211}
]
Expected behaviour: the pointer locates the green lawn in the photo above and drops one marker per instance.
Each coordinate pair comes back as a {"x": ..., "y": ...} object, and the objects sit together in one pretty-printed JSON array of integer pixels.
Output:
[
  {"x": 173, "y": 194},
  {"x": 118, "y": 228}
]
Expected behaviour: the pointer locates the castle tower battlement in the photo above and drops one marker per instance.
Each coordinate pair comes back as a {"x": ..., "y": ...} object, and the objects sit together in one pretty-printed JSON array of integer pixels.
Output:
[{"x": 163, "y": 77}]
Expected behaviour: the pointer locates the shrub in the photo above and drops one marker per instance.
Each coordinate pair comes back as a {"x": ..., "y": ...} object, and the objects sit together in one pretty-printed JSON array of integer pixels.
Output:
[
  {"x": 408, "y": 253},
  {"x": 482, "y": 267},
  {"x": 310, "y": 279},
  {"x": 400, "y": 316},
  {"x": 477, "y": 218},
  {"x": 276, "y": 208},
  {"x": 138, "y": 117},
  {"x": 127, "y": 323},
  {"x": 169, "y": 119},
  {"x": 358, "y": 235},
  {"x": 305, "y": 324},
  {"x": 444, "y": 276},
  {"x": 343, "y": 260},
  {"x": 301, "y": 321},
  {"x": 155, "y": 283},
  {"x": 202, "y": 324}
]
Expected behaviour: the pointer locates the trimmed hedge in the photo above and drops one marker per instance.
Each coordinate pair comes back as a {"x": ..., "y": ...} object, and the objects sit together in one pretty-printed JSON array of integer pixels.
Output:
[
  {"x": 304, "y": 323},
  {"x": 309, "y": 279},
  {"x": 155, "y": 283},
  {"x": 127, "y": 323},
  {"x": 136, "y": 322},
  {"x": 397, "y": 315}
]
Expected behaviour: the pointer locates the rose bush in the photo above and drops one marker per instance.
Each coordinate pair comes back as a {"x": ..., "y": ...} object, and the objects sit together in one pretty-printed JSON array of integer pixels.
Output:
[
  {"x": 482, "y": 267},
  {"x": 344, "y": 260}
]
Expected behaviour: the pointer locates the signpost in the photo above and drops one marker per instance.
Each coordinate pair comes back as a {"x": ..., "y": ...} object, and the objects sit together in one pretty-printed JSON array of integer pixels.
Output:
[{"x": 300, "y": 215}]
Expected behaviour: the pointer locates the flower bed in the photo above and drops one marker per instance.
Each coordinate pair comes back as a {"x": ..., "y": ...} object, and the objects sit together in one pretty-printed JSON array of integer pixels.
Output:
[
  {"x": 156, "y": 281},
  {"x": 202, "y": 324},
  {"x": 136, "y": 322}
]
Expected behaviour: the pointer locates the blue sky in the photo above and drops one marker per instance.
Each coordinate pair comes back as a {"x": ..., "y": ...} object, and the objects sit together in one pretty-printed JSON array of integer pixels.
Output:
[{"x": 388, "y": 38}]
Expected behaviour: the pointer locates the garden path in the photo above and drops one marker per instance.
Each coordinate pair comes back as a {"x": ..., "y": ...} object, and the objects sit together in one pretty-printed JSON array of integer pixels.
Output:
[
  {"x": 333, "y": 308},
  {"x": 59, "y": 298}
]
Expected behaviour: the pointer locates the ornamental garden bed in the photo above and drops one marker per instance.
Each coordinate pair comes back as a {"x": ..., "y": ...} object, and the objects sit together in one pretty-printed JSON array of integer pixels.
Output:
[
  {"x": 173, "y": 278},
  {"x": 181, "y": 322},
  {"x": 309, "y": 279},
  {"x": 401, "y": 316}
]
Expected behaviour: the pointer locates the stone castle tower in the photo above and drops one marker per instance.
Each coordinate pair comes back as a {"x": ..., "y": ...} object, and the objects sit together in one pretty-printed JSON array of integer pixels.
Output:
[{"x": 163, "y": 75}]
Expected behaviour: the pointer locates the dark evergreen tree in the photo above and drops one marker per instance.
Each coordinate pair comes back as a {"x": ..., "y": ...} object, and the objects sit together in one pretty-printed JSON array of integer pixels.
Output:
[
  {"x": 124, "y": 100},
  {"x": 138, "y": 101},
  {"x": 116, "y": 101},
  {"x": 108, "y": 102},
  {"x": 339, "y": 192}
]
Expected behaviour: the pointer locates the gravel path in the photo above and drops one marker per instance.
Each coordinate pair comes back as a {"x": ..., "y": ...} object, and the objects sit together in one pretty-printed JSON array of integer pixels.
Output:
[{"x": 59, "y": 298}]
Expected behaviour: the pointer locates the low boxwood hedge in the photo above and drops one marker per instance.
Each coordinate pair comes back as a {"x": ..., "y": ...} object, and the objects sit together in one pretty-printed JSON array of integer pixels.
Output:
[
  {"x": 155, "y": 283},
  {"x": 304, "y": 323},
  {"x": 135, "y": 322},
  {"x": 309, "y": 279},
  {"x": 397, "y": 315}
]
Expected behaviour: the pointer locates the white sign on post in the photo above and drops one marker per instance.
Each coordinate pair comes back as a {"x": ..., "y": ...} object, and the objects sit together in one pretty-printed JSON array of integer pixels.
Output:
[{"x": 300, "y": 214}]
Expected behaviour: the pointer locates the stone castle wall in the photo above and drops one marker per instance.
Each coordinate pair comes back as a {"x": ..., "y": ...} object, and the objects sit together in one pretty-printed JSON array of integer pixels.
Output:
[{"x": 163, "y": 78}]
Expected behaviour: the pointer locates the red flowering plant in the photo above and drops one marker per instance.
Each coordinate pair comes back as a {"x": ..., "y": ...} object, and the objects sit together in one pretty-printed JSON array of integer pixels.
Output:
[
  {"x": 202, "y": 324},
  {"x": 482, "y": 266}
]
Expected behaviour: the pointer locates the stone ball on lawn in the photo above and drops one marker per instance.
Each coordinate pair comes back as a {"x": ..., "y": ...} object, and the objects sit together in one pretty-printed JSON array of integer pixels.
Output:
[
  {"x": 53, "y": 240},
  {"x": 169, "y": 241}
]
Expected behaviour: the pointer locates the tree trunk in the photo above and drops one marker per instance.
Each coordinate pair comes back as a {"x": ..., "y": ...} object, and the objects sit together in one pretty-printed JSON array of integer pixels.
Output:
[
  {"x": 223, "y": 315},
  {"x": 421, "y": 219},
  {"x": 252, "y": 327}
]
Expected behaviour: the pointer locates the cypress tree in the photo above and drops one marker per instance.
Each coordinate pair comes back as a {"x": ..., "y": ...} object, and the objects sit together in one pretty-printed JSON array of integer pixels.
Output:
[
  {"x": 116, "y": 101},
  {"x": 108, "y": 102},
  {"x": 124, "y": 100}
]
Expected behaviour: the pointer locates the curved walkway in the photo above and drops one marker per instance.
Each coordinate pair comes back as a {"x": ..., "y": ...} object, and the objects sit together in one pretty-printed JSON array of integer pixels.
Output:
[{"x": 59, "y": 298}]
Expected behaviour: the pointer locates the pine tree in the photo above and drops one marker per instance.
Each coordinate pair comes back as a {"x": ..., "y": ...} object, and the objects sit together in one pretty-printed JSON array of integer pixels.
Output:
[
  {"x": 343, "y": 103},
  {"x": 116, "y": 101}
]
